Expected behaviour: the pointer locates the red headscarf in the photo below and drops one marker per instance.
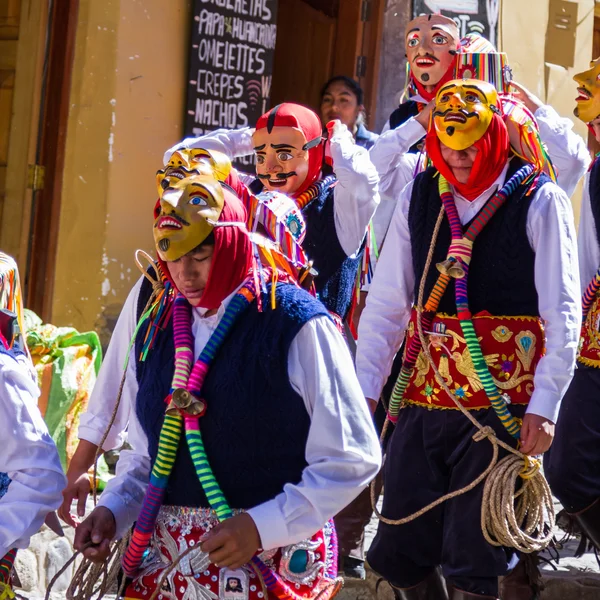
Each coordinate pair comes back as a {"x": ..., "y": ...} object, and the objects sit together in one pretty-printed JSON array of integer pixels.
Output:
[
  {"x": 428, "y": 96},
  {"x": 490, "y": 160},
  {"x": 232, "y": 255},
  {"x": 305, "y": 120}
]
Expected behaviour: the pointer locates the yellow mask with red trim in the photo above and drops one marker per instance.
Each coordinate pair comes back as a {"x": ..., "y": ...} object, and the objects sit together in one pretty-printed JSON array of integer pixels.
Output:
[
  {"x": 188, "y": 210},
  {"x": 186, "y": 162},
  {"x": 588, "y": 99},
  {"x": 464, "y": 109}
]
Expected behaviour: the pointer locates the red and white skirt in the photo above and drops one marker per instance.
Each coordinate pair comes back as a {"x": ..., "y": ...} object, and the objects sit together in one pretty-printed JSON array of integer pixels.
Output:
[{"x": 308, "y": 568}]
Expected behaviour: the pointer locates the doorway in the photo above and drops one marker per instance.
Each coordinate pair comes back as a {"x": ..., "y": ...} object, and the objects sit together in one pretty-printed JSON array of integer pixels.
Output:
[
  {"x": 317, "y": 39},
  {"x": 37, "y": 39}
]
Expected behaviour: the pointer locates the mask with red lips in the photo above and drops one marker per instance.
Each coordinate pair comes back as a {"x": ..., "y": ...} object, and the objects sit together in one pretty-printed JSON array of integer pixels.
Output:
[
  {"x": 431, "y": 45},
  {"x": 289, "y": 148}
]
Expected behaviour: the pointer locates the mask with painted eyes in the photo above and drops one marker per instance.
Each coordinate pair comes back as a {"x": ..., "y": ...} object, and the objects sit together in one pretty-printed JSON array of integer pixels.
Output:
[
  {"x": 588, "y": 88},
  {"x": 431, "y": 45},
  {"x": 193, "y": 161},
  {"x": 464, "y": 109},
  {"x": 188, "y": 210},
  {"x": 281, "y": 158}
]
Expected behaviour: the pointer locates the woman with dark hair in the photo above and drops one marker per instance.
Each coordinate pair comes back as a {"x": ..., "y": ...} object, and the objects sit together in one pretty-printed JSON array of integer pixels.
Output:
[{"x": 342, "y": 98}]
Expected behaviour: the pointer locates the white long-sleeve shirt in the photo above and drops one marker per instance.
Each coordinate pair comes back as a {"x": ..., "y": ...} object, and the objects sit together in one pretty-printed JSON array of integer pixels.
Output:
[
  {"x": 396, "y": 166},
  {"x": 587, "y": 242},
  {"x": 28, "y": 456},
  {"x": 356, "y": 194},
  {"x": 342, "y": 449},
  {"x": 551, "y": 234}
]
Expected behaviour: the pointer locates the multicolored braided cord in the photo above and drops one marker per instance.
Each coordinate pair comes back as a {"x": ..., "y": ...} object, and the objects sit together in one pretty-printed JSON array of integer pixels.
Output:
[
  {"x": 192, "y": 379},
  {"x": 459, "y": 253},
  {"x": 6, "y": 565},
  {"x": 314, "y": 191},
  {"x": 183, "y": 378}
]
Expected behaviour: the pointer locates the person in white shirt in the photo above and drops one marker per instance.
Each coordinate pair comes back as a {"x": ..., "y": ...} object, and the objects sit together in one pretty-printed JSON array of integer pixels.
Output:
[
  {"x": 31, "y": 476},
  {"x": 276, "y": 427},
  {"x": 337, "y": 211},
  {"x": 397, "y": 154},
  {"x": 573, "y": 465},
  {"x": 333, "y": 182},
  {"x": 521, "y": 265}
]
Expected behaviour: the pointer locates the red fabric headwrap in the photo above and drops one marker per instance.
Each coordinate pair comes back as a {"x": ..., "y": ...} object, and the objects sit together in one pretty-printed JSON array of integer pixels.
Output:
[
  {"x": 491, "y": 158},
  {"x": 301, "y": 118},
  {"x": 428, "y": 96},
  {"x": 232, "y": 256}
]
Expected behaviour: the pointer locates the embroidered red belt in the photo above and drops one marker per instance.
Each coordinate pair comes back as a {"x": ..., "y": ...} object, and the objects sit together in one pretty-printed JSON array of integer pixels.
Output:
[
  {"x": 512, "y": 347},
  {"x": 589, "y": 342}
]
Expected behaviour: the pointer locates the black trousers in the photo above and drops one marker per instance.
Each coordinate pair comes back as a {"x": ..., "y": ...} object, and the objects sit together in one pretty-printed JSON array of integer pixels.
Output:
[
  {"x": 430, "y": 454},
  {"x": 572, "y": 465},
  {"x": 350, "y": 522}
]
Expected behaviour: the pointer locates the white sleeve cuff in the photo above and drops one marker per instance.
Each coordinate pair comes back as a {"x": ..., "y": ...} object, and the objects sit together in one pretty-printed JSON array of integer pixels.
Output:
[
  {"x": 371, "y": 386},
  {"x": 117, "y": 507},
  {"x": 543, "y": 406},
  {"x": 271, "y": 525}
]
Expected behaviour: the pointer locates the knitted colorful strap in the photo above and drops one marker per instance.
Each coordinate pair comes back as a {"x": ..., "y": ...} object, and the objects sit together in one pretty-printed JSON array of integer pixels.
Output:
[
  {"x": 315, "y": 190},
  {"x": 590, "y": 294},
  {"x": 168, "y": 442},
  {"x": 204, "y": 472},
  {"x": 6, "y": 565},
  {"x": 187, "y": 379},
  {"x": 435, "y": 296}
]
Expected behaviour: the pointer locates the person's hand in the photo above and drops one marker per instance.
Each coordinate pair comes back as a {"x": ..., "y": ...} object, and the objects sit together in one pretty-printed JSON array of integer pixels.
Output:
[
  {"x": 537, "y": 434},
  {"x": 233, "y": 542},
  {"x": 372, "y": 405},
  {"x": 78, "y": 488},
  {"x": 531, "y": 101},
  {"x": 423, "y": 116},
  {"x": 93, "y": 536}
]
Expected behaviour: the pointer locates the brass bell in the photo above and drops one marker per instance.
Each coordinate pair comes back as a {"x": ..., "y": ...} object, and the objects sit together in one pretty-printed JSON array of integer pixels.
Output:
[
  {"x": 182, "y": 398},
  {"x": 184, "y": 401},
  {"x": 451, "y": 267}
]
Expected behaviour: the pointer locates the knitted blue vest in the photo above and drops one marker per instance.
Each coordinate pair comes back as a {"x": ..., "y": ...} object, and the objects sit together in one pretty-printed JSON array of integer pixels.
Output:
[
  {"x": 501, "y": 273},
  {"x": 4, "y": 478},
  {"x": 256, "y": 426},
  {"x": 336, "y": 271}
]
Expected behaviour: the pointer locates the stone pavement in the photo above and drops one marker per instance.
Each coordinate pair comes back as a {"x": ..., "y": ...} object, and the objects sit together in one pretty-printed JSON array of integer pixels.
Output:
[{"x": 570, "y": 579}]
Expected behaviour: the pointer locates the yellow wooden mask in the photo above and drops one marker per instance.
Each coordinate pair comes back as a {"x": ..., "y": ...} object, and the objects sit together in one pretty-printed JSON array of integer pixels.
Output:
[
  {"x": 188, "y": 210},
  {"x": 464, "y": 109},
  {"x": 588, "y": 99},
  {"x": 186, "y": 162}
]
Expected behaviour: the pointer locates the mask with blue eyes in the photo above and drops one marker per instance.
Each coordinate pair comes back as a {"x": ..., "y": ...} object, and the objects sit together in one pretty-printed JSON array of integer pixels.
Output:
[{"x": 188, "y": 210}]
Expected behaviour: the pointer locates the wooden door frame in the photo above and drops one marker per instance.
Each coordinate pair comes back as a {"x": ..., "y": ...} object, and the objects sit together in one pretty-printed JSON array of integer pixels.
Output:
[
  {"x": 45, "y": 214},
  {"x": 353, "y": 40},
  {"x": 16, "y": 213}
]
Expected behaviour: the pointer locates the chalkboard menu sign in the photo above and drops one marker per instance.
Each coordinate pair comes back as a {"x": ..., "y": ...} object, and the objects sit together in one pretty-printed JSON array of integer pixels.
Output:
[
  {"x": 471, "y": 16},
  {"x": 231, "y": 63}
]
